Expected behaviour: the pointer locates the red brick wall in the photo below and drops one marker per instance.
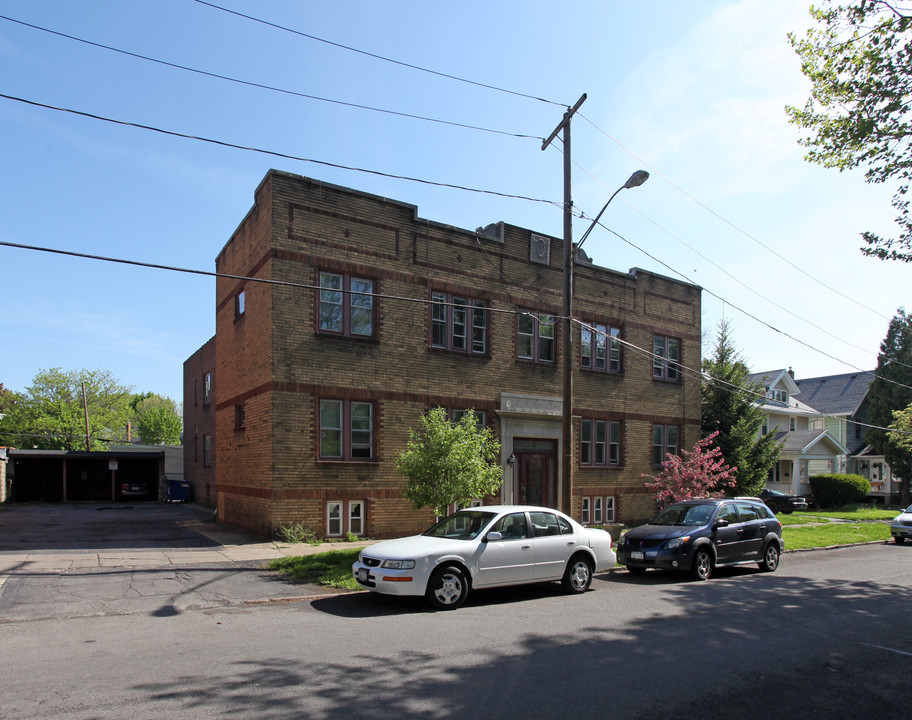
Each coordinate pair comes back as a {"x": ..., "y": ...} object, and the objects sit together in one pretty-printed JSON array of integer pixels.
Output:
[{"x": 199, "y": 420}]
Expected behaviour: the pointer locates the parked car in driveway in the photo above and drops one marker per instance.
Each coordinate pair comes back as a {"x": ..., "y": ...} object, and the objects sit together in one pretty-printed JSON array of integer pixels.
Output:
[
  {"x": 782, "y": 502},
  {"x": 486, "y": 547},
  {"x": 696, "y": 536},
  {"x": 901, "y": 526}
]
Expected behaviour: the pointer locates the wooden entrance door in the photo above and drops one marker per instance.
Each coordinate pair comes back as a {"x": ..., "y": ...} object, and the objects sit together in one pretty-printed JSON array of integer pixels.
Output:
[{"x": 536, "y": 472}]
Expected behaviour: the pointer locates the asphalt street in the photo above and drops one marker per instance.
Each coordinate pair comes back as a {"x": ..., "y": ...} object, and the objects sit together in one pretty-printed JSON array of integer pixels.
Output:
[{"x": 824, "y": 636}]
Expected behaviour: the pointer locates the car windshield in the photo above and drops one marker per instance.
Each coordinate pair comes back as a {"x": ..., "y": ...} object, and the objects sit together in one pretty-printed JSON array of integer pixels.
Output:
[
  {"x": 463, "y": 525},
  {"x": 684, "y": 515},
  {"x": 908, "y": 509}
]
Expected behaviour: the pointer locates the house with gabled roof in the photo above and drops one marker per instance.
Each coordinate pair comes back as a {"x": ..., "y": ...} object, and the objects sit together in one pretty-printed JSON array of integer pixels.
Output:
[
  {"x": 808, "y": 446},
  {"x": 843, "y": 399}
]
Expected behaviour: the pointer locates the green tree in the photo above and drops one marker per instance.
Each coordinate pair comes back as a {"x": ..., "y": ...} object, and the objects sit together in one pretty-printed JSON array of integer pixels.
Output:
[
  {"x": 730, "y": 407},
  {"x": 8, "y": 402},
  {"x": 859, "y": 61},
  {"x": 50, "y": 414},
  {"x": 891, "y": 390},
  {"x": 157, "y": 419},
  {"x": 449, "y": 462},
  {"x": 900, "y": 437}
]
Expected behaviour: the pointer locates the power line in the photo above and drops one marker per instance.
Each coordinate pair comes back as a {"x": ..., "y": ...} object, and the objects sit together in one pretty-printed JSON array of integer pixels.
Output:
[
  {"x": 421, "y": 301},
  {"x": 376, "y": 56},
  {"x": 263, "y": 86},
  {"x": 733, "y": 226},
  {"x": 275, "y": 153}
]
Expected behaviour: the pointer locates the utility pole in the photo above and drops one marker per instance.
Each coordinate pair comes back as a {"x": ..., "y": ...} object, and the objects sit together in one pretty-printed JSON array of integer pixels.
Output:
[{"x": 566, "y": 415}]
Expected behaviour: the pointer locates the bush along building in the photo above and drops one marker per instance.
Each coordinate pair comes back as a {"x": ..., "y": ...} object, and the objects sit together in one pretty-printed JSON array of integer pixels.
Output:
[{"x": 348, "y": 316}]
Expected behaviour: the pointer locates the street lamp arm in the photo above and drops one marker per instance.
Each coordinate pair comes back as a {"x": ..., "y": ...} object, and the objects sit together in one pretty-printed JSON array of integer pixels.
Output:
[{"x": 635, "y": 180}]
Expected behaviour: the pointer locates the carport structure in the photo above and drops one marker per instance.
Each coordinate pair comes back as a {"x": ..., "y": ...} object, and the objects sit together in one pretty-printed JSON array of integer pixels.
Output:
[{"x": 62, "y": 476}]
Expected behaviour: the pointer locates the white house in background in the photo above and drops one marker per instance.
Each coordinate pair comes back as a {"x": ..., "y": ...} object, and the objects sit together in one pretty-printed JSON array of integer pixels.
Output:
[
  {"x": 808, "y": 447},
  {"x": 844, "y": 400}
]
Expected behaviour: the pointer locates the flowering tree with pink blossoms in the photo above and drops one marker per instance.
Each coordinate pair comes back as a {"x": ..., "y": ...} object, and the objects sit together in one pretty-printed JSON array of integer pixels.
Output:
[{"x": 702, "y": 472}]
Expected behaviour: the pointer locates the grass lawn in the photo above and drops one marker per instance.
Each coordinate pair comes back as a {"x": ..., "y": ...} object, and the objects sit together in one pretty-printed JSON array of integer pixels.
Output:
[
  {"x": 834, "y": 533},
  {"x": 330, "y": 569}
]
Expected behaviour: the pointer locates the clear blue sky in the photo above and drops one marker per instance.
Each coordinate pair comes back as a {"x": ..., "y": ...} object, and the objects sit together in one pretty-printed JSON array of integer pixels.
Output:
[{"x": 692, "y": 92}]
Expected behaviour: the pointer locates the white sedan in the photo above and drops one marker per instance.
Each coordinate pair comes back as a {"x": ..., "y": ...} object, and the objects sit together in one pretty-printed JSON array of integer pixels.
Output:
[
  {"x": 486, "y": 547},
  {"x": 901, "y": 527}
]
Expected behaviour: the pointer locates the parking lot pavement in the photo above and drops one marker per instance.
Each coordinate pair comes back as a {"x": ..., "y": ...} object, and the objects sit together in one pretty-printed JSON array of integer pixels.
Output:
[{"x": 79, "y": 559}]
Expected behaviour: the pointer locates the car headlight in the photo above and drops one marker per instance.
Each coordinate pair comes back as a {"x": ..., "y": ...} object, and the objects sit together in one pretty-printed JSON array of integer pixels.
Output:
[
  {"x": 398, "y": 564},
  {"x": 676, "y": 542}
]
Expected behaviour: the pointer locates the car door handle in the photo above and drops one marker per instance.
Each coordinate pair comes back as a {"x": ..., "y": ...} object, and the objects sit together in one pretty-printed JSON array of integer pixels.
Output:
[
  {"x": 525, "y": 547},
  {"x": 740, "y": 531},
  {"x": 571, "y": 543}
]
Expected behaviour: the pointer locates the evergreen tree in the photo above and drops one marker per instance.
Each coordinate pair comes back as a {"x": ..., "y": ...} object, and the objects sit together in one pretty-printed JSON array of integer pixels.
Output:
[
  {"x": 892, "y": 390},
  {"x": 730, "y": 406}
]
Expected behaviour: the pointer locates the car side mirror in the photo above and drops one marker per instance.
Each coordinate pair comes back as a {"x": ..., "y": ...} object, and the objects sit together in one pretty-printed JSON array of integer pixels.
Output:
[
  {"x": 720, "y": 524},
  {"x": 493, "y": 535}
]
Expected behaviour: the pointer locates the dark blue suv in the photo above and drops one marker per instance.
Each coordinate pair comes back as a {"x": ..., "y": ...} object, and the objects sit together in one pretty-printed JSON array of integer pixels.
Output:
[{"x": 697, "y": 535}]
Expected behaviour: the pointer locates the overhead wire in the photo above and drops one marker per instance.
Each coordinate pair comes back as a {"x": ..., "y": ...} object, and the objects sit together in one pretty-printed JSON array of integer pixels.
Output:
[
  {"x": 378, "y": 57},
  {"x": 732, "y": 225},
  {"x": 275, "y": 153},
  {"x": 307, "y": 286},
  {"x": 264, "y": 86}
]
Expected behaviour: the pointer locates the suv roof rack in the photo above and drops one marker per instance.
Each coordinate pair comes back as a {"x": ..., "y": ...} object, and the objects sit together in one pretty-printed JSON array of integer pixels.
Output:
[{"x": 747, "y": 497}]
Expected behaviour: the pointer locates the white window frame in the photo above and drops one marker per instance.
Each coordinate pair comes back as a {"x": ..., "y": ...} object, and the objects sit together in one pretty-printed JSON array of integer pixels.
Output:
[
  {"x": 597, "y": 509},
  {"x": 346, "y": 517}
]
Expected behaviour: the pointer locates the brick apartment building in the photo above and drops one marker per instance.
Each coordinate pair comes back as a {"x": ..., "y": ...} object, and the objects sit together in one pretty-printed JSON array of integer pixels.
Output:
[{"x": 373, "y": 315}]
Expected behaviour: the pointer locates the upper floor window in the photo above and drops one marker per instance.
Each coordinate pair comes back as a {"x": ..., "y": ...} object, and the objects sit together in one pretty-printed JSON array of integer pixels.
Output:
[
  {"x": 600, "y": 348},
  {"x": 207, "y": 387},
  {"x": 600, "y": 442},
  {"x": 793, "y": 424},
  {"x": 778, "y": 396},
  {"x": 240, "y": 417},
  {"x": 459, "y": 323},
  {"x": 535, "y": 337},
  {"x": 207, "y": 450},
  {"x": 240, "y": 303},
  {"x": 664, "y": 442},
  {"x": 346, "y": 305},
  {"x": 346, "y": 430},
  {"x": 666, "y": 358}
]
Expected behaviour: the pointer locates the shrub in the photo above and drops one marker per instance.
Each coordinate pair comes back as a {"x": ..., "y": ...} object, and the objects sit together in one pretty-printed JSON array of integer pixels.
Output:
[
  {"x": 835, "y": 489},
  {"x": 297, "y": 533}
]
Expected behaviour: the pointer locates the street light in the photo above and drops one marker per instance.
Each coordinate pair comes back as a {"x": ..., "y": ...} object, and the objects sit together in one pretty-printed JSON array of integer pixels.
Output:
[{"x": 635, "y": 180}]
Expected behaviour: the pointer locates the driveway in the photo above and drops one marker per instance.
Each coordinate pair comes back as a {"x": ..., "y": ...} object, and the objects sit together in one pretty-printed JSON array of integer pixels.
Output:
[{"x": 85, "y": 559}]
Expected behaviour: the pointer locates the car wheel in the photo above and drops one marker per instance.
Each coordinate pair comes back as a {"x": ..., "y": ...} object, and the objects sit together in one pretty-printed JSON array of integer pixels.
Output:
[
  {"x": 702, "y": 566},
  {"x": 578, "y": 575},
  {"x": 773, "y": 506},
  {"x": 447, "y": 589},
  {"x": 635, "y": 569},
  {"x": 788, "y": 510},
  {"x": 898, "y": 539},
  {"x": 770, "y": 558}
]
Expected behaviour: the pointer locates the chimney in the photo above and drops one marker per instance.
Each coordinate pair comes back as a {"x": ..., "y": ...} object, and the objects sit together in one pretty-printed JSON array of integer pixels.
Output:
[{"x": 791, "y": 374}]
